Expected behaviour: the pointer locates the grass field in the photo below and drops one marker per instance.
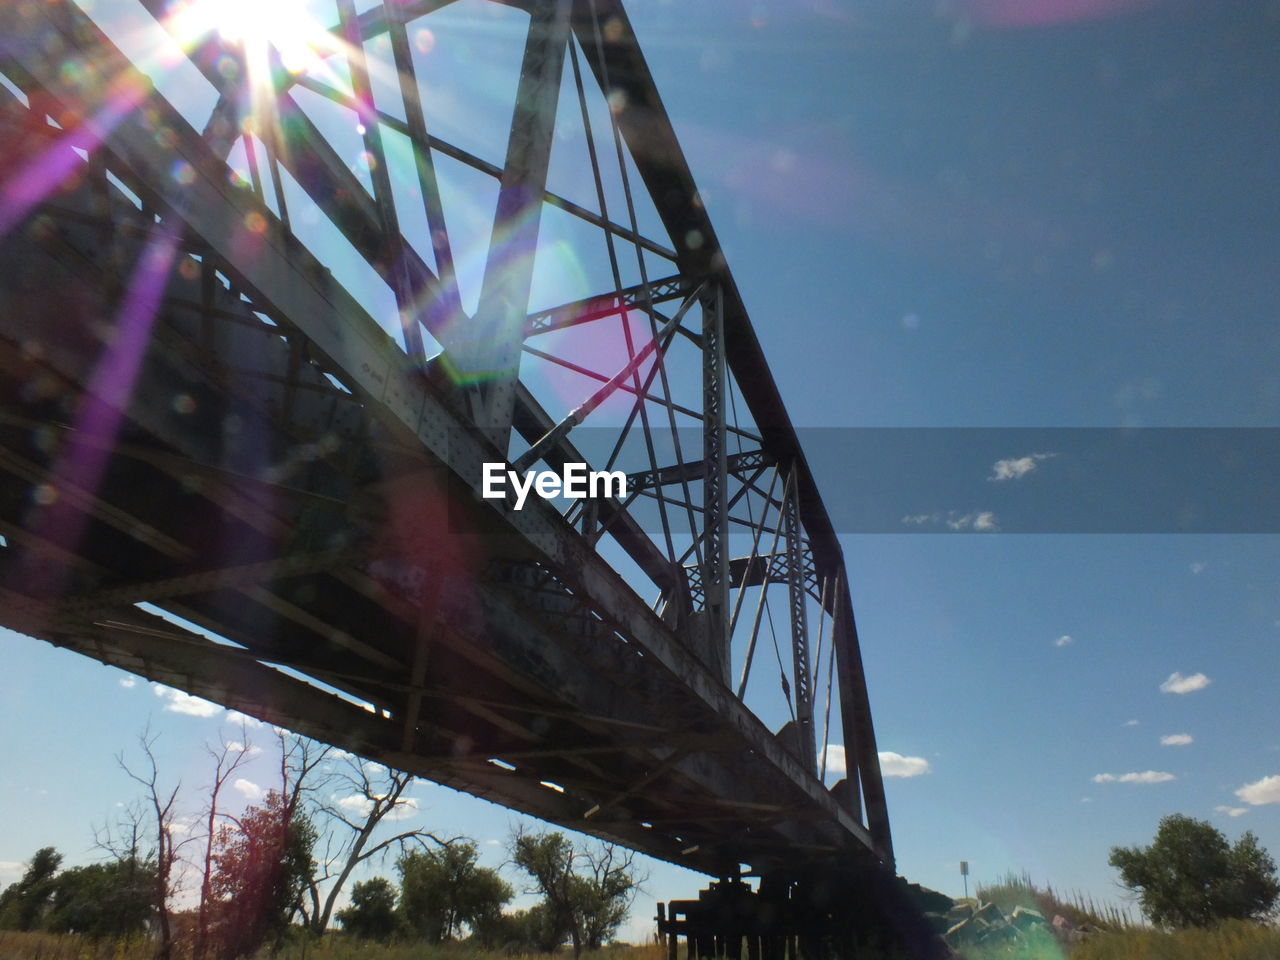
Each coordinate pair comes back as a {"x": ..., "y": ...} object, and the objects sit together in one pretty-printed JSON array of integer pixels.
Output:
[
  {"x": 46, "y": 946},
  {"x": 1231, "y": 941}
]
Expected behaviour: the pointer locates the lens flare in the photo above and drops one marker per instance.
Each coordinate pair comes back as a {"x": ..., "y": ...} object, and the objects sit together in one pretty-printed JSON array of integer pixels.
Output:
[{"x": 257, "y": 26}]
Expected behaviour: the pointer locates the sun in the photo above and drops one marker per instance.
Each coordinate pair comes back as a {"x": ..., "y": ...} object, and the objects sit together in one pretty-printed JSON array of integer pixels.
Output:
[{"x": 259, "y": 27}]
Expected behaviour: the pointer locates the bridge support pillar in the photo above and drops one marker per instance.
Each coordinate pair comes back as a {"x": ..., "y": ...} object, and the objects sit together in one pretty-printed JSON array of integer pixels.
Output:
[{"x": 821, "y": 915}]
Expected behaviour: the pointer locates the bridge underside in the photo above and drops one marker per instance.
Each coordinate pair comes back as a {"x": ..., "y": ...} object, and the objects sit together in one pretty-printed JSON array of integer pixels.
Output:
[{"x": 217, "y": 473}]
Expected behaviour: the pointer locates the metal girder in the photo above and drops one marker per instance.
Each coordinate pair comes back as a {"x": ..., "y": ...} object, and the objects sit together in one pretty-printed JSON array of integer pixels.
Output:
[
  {"x": 618, "y": 64},
  {"x": 638, "y": 297},
  {"x": 754, "y": 570},
  {"x": 317, "y": 328},
  {"x": 857, "y": 726},
  {"x": 393, "y": 263},
  {"x": 736, "y": 464},
  {"x": 281, "y": 277},
  {"x": 247, "y": 574},
  {"x": 799, "y": 626},
  {"x": 715, "y": 494},
  {"x": 489, "y": 357},
  {"x": 532, "y": 422}
]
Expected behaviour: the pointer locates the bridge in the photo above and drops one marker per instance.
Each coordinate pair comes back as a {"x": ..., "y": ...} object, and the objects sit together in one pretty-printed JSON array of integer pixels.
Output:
[{"x": 251, "y": 378}]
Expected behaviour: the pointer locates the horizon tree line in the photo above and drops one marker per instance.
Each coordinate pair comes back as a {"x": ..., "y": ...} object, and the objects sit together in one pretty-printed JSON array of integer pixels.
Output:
[{"x": 278, "y": 868}]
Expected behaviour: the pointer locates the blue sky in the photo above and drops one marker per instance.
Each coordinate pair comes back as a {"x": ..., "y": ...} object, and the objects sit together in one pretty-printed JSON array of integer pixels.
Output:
[{"x": 970, "y": 214}]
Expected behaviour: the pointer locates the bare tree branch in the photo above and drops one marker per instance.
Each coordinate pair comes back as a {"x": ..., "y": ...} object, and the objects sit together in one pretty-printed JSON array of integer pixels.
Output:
[
  {"x": 228, "y": 758},
  {"x": 378, "y": 791},
  {"x": 162, "y": 809}
]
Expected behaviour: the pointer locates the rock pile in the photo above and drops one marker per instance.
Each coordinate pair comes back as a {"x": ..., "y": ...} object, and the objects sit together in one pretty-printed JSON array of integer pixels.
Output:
[{"x": 970, "y": 922}]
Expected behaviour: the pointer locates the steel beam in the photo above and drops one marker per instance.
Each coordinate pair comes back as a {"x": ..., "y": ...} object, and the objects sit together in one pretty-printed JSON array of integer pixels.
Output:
[
  {"x": 715, "y": 535},
  {"x": 489, "y": 358},
  {"x": 798, "y": 604},
  {"x": 638, "y": 297},
  {"x": 321, "y": 322}
]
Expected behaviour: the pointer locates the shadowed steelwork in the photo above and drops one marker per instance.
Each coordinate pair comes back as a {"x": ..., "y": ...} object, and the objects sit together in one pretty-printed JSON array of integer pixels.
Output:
[{"x": 246, "y": 411}]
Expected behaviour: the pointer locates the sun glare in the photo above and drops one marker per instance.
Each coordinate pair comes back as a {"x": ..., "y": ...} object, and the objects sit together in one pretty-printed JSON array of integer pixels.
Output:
[{"x": 259, "y": 26}]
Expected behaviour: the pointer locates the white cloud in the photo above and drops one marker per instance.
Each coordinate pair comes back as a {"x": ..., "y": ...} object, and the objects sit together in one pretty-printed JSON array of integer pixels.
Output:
[
  {"x": 356, "y": 803},
  {"x": 361, "y": 805},
  {"x": 920, "y": 519},
  {"x": 1177, "y": 683},
  {"x": 891, "y": 764},
  {"x": 179, "y": 701},
  {"x": 1147, "y": 776},
  {"x": 235, "y": 746},
  {"x": 1266, "y": 790},
  {"x": 980, "y": 521},
  {"x": 405, "y": 808},
  {"x": 1086, "y": 799},
  {"x": 187, "y": 825},
  {"x": 250, "y": 789},
  {"x": 1232, "y": 811},
  {"x": 1015, "y": 468},
  {"x": 11, "y": 871},
  {"x": 896, "y": 765},
  {"x": 1063, "y": 640},
  {"x": 1131, "y": 723},
  {"x": 242, "y": 720},
  {"x": 1176, "y": 740},
  {"x": 836, "y": 762},
  {"x": 985, "y": 522},
  {"x": 128, "y": 682},
  {"x": 1199, "y": 567}
]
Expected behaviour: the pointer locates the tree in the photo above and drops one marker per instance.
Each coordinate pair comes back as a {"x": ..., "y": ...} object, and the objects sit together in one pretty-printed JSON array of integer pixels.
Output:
[
  {"x": 372, "y": 914},
  {"x": 102, "y": 900},
  {"x": 24, "y": 904},
  {"x": 161, "y": 804},
  {"x": 227, "y": 760},
  {"x": 1190, "y": 876},
  {"x": 521, "y": 931},
  {"x": 443, "y": 890},
  {"x": 112, "y": 900},
  {"x": 603, "y": 891},
  {"x": 261, "y": 866},
  {"x": 367, "y": 795},
  {"x": 586, "y": 892}
]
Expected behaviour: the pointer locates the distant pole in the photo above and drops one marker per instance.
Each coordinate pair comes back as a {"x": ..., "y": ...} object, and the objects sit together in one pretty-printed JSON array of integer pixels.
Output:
[{"x": 964, "y": 872}]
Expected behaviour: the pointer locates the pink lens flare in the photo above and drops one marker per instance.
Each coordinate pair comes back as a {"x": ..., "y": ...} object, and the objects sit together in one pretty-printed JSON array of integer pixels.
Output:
[{"x": 1048, "y": 13}]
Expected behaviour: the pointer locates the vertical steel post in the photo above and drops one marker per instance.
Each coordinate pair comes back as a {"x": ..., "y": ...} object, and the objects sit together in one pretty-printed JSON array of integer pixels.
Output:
[
  {"x": 393, "y": 265},
  {"x": 447, "y": 307},
  {"x": 489, "y": 358},
  {"x": 715, "y": 547},
  {"x": 801, "y": 678}
]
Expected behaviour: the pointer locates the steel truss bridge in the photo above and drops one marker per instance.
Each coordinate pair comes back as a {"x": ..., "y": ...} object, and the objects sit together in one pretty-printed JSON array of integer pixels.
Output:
[{"x": 228, "y": 467}]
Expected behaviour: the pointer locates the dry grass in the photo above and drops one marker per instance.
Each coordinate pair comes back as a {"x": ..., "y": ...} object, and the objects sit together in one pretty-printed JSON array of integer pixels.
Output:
[
  {"x": 1018, "y": 890},
  {"x": 49, "y": 946},
  {"x": 1234, "y": 940},
  {"x": 1230, "y": 941},
  {"x": 46, "y": 946},
  {"x": 344, "y": 948}
]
